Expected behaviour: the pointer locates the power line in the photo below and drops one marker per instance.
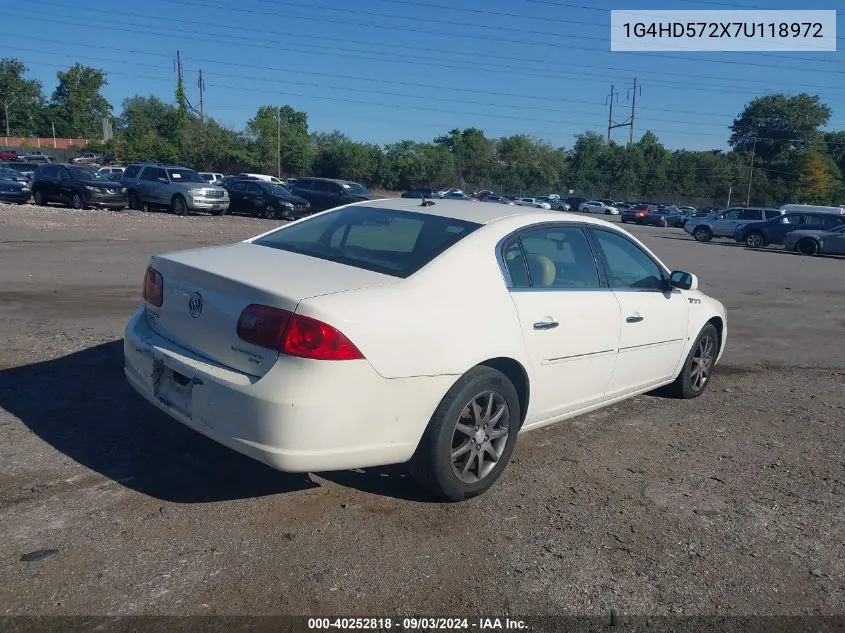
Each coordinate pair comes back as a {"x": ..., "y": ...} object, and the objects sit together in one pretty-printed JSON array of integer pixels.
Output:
[
  {"x": 396, "y": 58},
  {"x": 429, "y": 31}
]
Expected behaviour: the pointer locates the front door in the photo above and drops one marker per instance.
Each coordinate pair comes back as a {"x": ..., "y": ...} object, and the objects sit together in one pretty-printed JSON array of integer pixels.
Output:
[
  {"x": 568, "y": 317},
  {"x": 236, "y": 196},
  {"x": 724, "y": 224},
  {"x": 254, "y": 200},
  {"x": 63, "y": 188},
  {"x": 653, "y": 319}
]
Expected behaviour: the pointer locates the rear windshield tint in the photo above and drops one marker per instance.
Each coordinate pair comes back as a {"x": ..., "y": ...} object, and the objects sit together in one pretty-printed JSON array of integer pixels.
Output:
[{"x": 396, "y": 243}]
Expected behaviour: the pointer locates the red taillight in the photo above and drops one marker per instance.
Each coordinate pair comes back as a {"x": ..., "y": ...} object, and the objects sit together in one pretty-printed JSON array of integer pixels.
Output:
[
  {"x": 263, "y": 326},
  {"x": 154, "y": 287},
  {"x": 294, "y": 334}
]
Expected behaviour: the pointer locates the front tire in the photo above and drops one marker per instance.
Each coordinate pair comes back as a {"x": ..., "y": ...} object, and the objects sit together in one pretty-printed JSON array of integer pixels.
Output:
[
  {"x": 77, "y": 201},
  {"x": 698, "y": 367},
  {"x": 471, "y": 436},
  {"x": 754, "y": 240},
  {"x": 38, "y": 198},
  {"x": 702, "y": 234},
  {"x": 178, "y": 206},
  {"x": 134, "y": 201},
  {"x": 808, "y": 247}
]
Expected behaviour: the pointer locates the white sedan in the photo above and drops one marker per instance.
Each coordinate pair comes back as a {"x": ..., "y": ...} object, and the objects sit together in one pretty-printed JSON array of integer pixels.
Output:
[
  {"x": 594, "y": 206},
  {"x": 392, "y": 331},
  {"x": 532, "y": 202}
]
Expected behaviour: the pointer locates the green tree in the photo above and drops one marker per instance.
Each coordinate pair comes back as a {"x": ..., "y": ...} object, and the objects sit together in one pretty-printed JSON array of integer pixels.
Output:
[
  {"x": 79, "y": 107},
  {"x": 473, "y": 153},
  {"x": 816, "y": 178},
  {"x": 273, "y": 128},
  {"x": 777, "y": 124},
  {"x": 586, "y": 175},
  {"x": 149, "y": 129},
  {"x": 21, "y": 100}
]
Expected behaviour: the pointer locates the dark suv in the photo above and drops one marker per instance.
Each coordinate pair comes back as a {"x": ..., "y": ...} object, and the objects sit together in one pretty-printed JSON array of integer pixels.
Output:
[
  {"x": 77, "y": 187},
  {"x": 758, "y": 234},
  {"x": 266, "y": 199},
  {"x": 328, "y": 193}
]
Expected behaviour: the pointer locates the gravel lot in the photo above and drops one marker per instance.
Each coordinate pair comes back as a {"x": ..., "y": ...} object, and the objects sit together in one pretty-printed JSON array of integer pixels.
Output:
[{"x": 729, "y": 504}]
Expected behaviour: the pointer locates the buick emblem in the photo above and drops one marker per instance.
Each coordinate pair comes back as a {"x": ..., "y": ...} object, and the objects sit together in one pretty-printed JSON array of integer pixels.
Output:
[{"x": 195, "y": 304}]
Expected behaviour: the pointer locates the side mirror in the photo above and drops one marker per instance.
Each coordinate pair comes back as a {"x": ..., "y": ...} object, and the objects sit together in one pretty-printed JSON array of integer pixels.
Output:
[{"x": 683, "y": 280}]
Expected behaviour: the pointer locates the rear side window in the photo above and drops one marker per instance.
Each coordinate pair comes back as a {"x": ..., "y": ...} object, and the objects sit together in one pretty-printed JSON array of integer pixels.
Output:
[
  {"x": 49, "y": 171},
  {"x": 396, "y": 243},
  {"x": 132, "y": 171},
  {"x": 751, "y": 214},
  {"x": 772, "y": 213},
  {"x": 148, "y": 174}
]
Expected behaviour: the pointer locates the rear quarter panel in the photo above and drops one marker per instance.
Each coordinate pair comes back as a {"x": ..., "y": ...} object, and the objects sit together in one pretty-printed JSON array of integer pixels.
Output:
[{"x": 451, "y": 315}]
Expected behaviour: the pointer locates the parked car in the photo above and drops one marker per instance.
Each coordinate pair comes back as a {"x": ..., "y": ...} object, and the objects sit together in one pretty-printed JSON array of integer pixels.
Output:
[
  {"x": 597, "y": 206},
  {"x": 724, "y": 223},
  {"x": 24, "y": 168},
  {"x": 231, "y": 340},
  {"x": 498, "y": 200},
  {"x": 443, "y": 192},
  {"x": 532, "y": 202},
  {"x": 421, "y": 193},
  {"x": 688, "y": 210},
  {"x": 328, "y": 193},
  {"x": 173, "y": 187},
  {"x": 111, "y": 172},
  {"x": 36, "y": 156},
  {"x": 454, "y": 195},
  {"x": 636, "y": 213},
  {"x": 667, "y": 216},
  {"x": 265, "y": 199},
  {"x": 554, "y": 203},
  {"x": 11, "y": 189},
  {"x": 88, "y": 158},
  {"x": 7, "y": 153},
  {"x": 7, "y": 173},
  {"x": 575, "y": 203},
  {"x": 830, "y": 242},
  {"x": 211, "y": 177},
  {"x": 76, "y": 186},
  {"x": 264, "y": 177},
  {"x": 290, "y": 182},
  {"x": 759, "y": 234},
  {"x": 813, "y": 208}
]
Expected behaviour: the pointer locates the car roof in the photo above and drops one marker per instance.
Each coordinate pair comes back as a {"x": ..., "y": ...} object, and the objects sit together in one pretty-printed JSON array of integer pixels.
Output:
[
  {"x": 336, "y": 180},
  {"x": 477, "y": 212}
]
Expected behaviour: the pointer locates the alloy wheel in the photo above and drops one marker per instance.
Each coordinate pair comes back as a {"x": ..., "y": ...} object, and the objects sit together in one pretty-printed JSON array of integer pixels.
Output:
[
  {"x": 753, "y": 240},
  {"x": 77, "y": 202},
  {"x": 480, "y": 436},
  {"x": 702, "y": 363}
]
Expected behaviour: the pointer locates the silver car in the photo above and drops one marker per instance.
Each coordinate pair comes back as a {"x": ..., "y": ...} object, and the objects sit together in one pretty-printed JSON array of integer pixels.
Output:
[
  {"x": 817, "y": 242},
  {"x": 173, "y": 187},
  {"x": 724, "y": 223}
]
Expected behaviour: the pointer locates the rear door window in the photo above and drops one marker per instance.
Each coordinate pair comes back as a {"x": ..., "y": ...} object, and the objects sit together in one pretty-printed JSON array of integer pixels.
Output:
[
  {"x": 751, "y": 214},
  {"x": 772, "y": 213},
  {"x": 396, "y": 243}
]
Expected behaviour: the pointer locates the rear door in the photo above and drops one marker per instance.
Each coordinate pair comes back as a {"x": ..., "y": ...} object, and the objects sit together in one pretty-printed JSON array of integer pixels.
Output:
[
  {"x": 63, "y": 185},
  {"x": 568, "y": 317},
  {"x": 653, "y": 319},
  {"x": 237, "y": 191},
  {"x": 146, "y": 191},
  {"x": 778, "y": 229},
  {"x": 254, "y": 199}
]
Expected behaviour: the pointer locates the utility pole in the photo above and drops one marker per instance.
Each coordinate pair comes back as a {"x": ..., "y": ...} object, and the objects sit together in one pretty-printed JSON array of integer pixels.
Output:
[
  {"x": 201, "y": 86},
  {"x": 633, "y": 93},
  {"x": 6, "y": 103},
  {"x": 730, "y": 191},
  {"x": 609, "y": 101},
  {"x": 279, "y": 141},
  {"x": 751, "y": 172}
]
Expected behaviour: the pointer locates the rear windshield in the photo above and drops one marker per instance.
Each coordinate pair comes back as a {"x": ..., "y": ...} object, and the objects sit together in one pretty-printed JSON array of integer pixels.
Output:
[{"x": 396, "y": 243}]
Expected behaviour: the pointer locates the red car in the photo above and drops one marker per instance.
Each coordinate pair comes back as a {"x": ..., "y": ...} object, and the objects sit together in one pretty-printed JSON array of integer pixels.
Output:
[
  {"x": 636, "y": 213},
  {"x": 8, "y": 154}
]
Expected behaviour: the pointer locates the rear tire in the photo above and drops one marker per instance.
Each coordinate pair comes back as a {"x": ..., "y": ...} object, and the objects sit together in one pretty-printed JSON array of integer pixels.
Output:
[
  {"x": 664, "y": 223},
  {"x": 481, "y": 409},
  {"x": 808, "y": 247},
  {"x": 702, "y": 234},
  {"x": 77, "y": 201},
  {"x": 38, "y": 198},
  {"x": 698, "y": 367},
  {"x": 134, "y": 201}
]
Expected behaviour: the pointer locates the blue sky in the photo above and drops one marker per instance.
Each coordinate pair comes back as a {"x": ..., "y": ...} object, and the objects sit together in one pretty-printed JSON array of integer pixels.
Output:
[{"x": 384, "y": 70}]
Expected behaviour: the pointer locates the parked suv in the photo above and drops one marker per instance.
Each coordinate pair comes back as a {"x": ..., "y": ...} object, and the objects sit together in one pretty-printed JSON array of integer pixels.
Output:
[
  {"x": 173, "y": 187},
  {"x": 328, "y": 193},
  {"x": 758, "y": 234},
  {"x": 724, "y": 223},
  {"x": 34, "y": 157},
  {"x": 265, "y": 199},
  {"x": 75, "y": 186}
]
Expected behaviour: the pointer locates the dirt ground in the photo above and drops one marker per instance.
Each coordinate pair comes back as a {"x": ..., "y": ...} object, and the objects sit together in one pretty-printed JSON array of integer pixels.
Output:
[{"x": 729, "y": 504}]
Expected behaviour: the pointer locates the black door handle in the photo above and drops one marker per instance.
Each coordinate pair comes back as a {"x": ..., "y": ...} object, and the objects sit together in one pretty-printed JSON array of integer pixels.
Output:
[
  {"x": 545, "y": 325},
  {"x": 634, "y": 319}
]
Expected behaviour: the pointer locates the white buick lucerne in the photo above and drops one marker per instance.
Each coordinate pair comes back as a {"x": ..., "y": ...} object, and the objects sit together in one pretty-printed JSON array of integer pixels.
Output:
[{"x": 398, "y": 331}]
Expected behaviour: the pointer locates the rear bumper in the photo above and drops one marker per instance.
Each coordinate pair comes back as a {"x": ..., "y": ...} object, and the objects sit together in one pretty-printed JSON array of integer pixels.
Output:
[{"x": 302, "y": 416}]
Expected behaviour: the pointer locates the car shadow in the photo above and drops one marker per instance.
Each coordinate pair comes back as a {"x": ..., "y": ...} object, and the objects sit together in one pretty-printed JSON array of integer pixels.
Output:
[
  {"x": 783, "y": 251},
  {"x": 83, "y": 407}
]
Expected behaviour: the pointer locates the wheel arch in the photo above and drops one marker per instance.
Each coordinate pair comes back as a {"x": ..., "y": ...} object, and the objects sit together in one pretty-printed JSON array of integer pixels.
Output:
[{"x": 517, "y": 374}]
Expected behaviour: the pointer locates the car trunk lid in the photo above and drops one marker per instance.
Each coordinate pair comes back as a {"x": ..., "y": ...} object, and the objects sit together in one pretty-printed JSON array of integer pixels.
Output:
[{"x": 205, "y": 291}]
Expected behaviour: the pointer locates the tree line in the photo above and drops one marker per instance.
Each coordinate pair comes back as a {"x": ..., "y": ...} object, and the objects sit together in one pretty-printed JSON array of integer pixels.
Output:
[{"x": 778, "y": 146}]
